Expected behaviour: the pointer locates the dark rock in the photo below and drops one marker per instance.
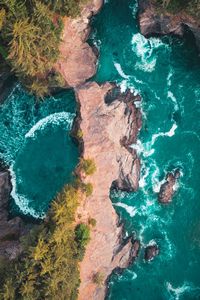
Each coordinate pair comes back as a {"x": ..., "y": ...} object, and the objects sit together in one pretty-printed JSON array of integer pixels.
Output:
[
  {"x": 10, "y": 230},
  {"x": 150, "y": 252},
  {"x": 160, "y": 22},
  {"x": 167, "y": 188},
  {"x": 7, "y": 80},
  {"x": 135, "y": 249}
]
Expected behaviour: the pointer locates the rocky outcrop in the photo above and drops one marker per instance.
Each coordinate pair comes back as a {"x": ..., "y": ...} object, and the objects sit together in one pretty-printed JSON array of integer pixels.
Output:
[
  {"x": 109, "y": 122},
  {"x": 7, "y": 79},
  {"x": 160, "y": 22},
  {"x": 150, "y": 252},
  {"x": 77, "y": 61},
  {"x": 10, "y": 230},
  {"x": 167, "y": 189}
]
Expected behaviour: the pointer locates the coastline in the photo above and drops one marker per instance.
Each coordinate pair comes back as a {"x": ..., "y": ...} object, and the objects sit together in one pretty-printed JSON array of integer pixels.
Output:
[
  {"x": 158, "y": 21},
  {"x": 97, "y": 120}
]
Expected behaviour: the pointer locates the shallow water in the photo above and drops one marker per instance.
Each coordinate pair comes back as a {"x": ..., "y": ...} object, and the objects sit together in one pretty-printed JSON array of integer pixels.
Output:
[
  {"x": 36, "y": 145},
  {"x": 166, "y": 72}
]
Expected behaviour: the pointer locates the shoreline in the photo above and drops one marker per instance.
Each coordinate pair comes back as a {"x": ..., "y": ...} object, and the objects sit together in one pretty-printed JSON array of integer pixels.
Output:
[{"x": 107, "y": 250}]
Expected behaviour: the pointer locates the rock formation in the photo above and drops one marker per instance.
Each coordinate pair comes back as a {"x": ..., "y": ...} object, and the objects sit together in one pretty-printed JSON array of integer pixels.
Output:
[
  {"x": 157, "y": 22},
  {"x": 167, "y": 188},
  {"x": 7, "y": 80},
  {"x": 109, "y": 122},
  {"x": 77, "y": 59},
  {"x": 10, "y": 230},
  {"x": 150, "y": 252}
]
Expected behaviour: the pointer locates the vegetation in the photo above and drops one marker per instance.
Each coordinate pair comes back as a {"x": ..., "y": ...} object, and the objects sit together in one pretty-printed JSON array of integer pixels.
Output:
[
  {"x": 48, "y": 268},
  {"x": 30, "y": 33},
  {"x": 92, "y": 222},
  {"x": 190, "y": 6},
  {"x": 79, "y": 134},
  {"x": 88, "y": 166},
  {"x": 88, "y": 189},
  {"x": 98, "y": 279}
]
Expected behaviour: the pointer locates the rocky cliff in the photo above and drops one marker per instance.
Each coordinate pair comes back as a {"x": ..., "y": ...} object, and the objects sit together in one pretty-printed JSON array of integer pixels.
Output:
[
  {"x": 109, "y": 122},
  {"x": 154, "y": 20},
  {"x": 78, "y": 60},
  {"x": 10, "y": 229}
]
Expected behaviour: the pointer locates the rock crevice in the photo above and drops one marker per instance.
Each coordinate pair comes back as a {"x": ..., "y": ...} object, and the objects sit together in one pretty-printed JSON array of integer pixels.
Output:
[{"x": 160, "y": 22}]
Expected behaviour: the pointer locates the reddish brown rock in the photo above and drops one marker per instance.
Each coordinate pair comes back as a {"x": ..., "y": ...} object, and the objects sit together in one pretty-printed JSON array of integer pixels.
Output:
[
  {"x": 109, "y": 122},
  {"x": 154, "y": 20},
  {"x": 150, "y": 252},
  {"x": 77, "y": 61},
  {"x": 10, "y": 230},
  {"x": 167, "y": 188}
]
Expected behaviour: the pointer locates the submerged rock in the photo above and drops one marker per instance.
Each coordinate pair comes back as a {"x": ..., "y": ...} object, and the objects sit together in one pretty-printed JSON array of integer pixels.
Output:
[
  {"x": 109, "y": 121},
  {"x": 150, "y": 252},
  {"x": 154, "y": 21},
  {"x": 167, "y": 188}
]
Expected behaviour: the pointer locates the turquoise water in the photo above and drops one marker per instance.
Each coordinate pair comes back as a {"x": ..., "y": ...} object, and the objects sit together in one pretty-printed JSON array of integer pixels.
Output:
[
  {"x": 166, "y": 72},
  {"x": 36, "y": 145}
]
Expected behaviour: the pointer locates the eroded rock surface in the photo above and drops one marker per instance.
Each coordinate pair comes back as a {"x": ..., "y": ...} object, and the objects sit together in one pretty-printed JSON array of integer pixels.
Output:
[
  {"x": 150, "y": 252},
  {"x": 77, "y": 61},
  {"x": 10, "y": 230},
  {"x": 160, "y": 22},
  {"x": 109, "y": 122},
  {"x": 167, "y": 189}
]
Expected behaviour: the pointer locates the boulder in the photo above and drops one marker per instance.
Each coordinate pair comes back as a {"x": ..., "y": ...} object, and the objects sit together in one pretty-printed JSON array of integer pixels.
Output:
[
  {"x": 150, "y": 252},
  {"x": 167, "y": 188}
]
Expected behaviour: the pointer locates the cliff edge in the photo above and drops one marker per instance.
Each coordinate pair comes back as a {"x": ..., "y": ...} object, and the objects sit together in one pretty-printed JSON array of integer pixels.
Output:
[
  {"x": 155, "y": 20},
  {"x": 109, "y": 122}
]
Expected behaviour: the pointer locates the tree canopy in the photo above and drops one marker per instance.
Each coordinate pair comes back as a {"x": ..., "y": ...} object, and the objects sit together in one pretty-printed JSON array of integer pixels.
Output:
[{"x": 30, "y": 34}]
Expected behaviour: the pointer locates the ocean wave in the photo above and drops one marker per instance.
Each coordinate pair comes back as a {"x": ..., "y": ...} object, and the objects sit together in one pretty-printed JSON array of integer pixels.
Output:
[
  {"x": 144, "y": 49},
  {"x": 171, "y": 96},
  {"x": 22, "y": 201},
  {"x": 55, "y": 119},
  {"x": 120, "y": 71},
  {"x": 175, "y": 293},
  {"x": 129, "y": 209}
]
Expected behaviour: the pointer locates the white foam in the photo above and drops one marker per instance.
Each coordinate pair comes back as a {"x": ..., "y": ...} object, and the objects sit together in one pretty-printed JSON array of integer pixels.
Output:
[
  {"x": 142, "y": 149},
  {"x": 55, "y": 118},
  {"x": 169, "y": 133},
  {"x": 171, "y": 96},
  {"x": 129, "y": 209},
  {"x": 120, "y": 71},
  {"x": 177, "y": 292},
  {"x": 144, "y": 50},
  {"x": 21, "y": 201}
]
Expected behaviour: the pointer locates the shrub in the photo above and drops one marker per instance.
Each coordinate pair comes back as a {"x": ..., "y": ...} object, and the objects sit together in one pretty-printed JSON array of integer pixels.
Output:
[
  {"x": 79, "y": 134},
  {"x": 88, "y": 166},
  {"x": 98, "y": 278},
  {"x": 92, "y": 222},
  {"x": 82, "y": 233},
  {"x": 88, "y": 189}
]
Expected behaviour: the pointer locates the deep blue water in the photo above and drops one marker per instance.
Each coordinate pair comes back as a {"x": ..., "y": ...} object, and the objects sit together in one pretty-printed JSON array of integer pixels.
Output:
[{"x": 166, "y": 72}]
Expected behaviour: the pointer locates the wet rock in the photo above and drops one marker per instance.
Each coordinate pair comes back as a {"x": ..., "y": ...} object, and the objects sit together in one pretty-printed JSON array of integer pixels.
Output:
[
  {"x": 150, "y": 252},
  {"x": 160, "y": 22},
  {"x": 127, "y": 254},
  {"x": 167, "y": 188}
]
